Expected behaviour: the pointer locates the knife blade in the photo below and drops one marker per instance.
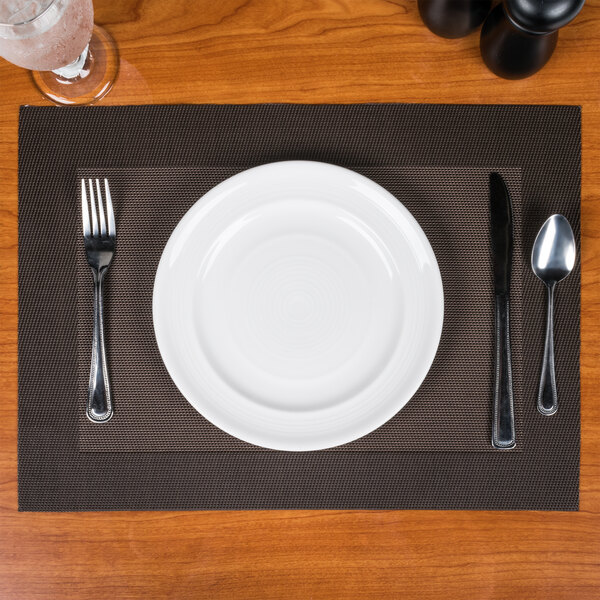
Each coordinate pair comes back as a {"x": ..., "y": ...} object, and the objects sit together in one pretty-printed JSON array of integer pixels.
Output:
[{"x": 501, "y": 230}]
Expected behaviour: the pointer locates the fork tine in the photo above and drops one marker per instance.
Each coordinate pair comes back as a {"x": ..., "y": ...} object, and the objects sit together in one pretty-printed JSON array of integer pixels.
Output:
[
  {"x": 85, "y": 213},
  {"x": 94, "y": 215},
  {"x": 112, "y": 230},
  {"x": 100, "y": 209}
]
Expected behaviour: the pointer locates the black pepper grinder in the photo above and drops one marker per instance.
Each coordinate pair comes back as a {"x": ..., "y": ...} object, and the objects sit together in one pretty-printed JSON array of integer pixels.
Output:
[
  {"x": 453, "y": 18},
  {"x": 519, "y": 36}
]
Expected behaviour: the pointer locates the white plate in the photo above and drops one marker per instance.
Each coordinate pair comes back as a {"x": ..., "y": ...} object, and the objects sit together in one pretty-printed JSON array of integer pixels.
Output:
[{"x": 298, "y": 305}]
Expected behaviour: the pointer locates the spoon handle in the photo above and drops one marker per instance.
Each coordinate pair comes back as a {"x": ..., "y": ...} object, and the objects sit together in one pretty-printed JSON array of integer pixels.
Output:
[{"x": 547, "y": 402}]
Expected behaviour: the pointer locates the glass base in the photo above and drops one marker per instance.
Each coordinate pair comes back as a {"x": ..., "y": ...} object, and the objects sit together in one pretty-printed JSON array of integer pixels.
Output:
[{"x": 87, "y": 79}]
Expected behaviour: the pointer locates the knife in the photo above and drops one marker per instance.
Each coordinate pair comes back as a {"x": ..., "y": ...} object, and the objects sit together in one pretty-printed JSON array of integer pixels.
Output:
[{"x": 503, "y": 421}]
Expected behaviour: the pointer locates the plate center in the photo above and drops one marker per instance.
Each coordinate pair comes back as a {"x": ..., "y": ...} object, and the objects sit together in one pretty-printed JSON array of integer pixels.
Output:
[{"x": 304, "y": 319}]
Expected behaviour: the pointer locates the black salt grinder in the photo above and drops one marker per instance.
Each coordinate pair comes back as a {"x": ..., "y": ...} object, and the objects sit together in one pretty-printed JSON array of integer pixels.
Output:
[
  {"x": 519, "y": 36},
  {"x": 453, "y": 18}
]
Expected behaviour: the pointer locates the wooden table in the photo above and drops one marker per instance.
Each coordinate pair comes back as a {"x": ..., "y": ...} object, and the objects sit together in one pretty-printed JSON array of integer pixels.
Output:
[{"x": 231, "y": 51}]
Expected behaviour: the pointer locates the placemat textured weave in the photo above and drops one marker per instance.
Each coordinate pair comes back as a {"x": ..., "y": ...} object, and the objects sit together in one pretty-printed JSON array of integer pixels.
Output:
[
  {"x": 451, "y": 410},
  {"x": 434, "y": 158}
]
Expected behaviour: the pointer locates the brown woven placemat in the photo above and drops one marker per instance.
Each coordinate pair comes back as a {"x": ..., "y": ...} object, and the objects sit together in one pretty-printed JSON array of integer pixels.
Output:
[
  {"x": 56, "y": 469},
  {"x": 451, "y": 410}
]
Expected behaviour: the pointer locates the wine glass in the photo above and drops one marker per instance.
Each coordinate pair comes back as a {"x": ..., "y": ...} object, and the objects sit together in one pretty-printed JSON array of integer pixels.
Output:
[{"x": 72, "y": 60}]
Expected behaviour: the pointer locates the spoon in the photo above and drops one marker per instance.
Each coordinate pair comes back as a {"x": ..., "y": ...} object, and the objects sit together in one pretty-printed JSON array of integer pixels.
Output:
[{"x": 552, "y": 259}]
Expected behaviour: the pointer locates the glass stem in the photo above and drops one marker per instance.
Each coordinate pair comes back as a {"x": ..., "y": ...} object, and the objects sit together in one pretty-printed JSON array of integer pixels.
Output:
[{"x": 76, "y": 68}]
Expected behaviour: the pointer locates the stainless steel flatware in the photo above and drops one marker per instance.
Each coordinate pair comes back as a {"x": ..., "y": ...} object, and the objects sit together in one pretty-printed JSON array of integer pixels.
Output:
[
  {"x": 552, "y": 259},
  {"x": 99, "y": 238},
  {"x": 503, "y": 420}
]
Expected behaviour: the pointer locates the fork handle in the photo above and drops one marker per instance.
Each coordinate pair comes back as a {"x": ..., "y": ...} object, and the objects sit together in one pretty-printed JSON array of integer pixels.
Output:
[{"x": 99, "y": 407}]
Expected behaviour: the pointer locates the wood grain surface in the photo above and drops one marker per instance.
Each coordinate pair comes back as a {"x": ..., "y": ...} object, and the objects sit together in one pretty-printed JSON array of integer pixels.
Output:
[{"x": 231, "y": 51}]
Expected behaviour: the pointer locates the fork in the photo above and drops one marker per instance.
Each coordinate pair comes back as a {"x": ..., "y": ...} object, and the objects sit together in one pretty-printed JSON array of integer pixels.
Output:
[{"x": 99, "y": 239}]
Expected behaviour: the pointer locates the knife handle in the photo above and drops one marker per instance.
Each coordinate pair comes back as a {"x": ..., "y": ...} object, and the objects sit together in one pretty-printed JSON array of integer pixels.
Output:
[{"x": 503, "y": 422}]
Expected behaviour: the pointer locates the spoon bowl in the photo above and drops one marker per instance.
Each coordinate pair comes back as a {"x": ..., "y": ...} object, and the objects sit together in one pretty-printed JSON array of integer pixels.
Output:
[{"x": 553, "y": 254}]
